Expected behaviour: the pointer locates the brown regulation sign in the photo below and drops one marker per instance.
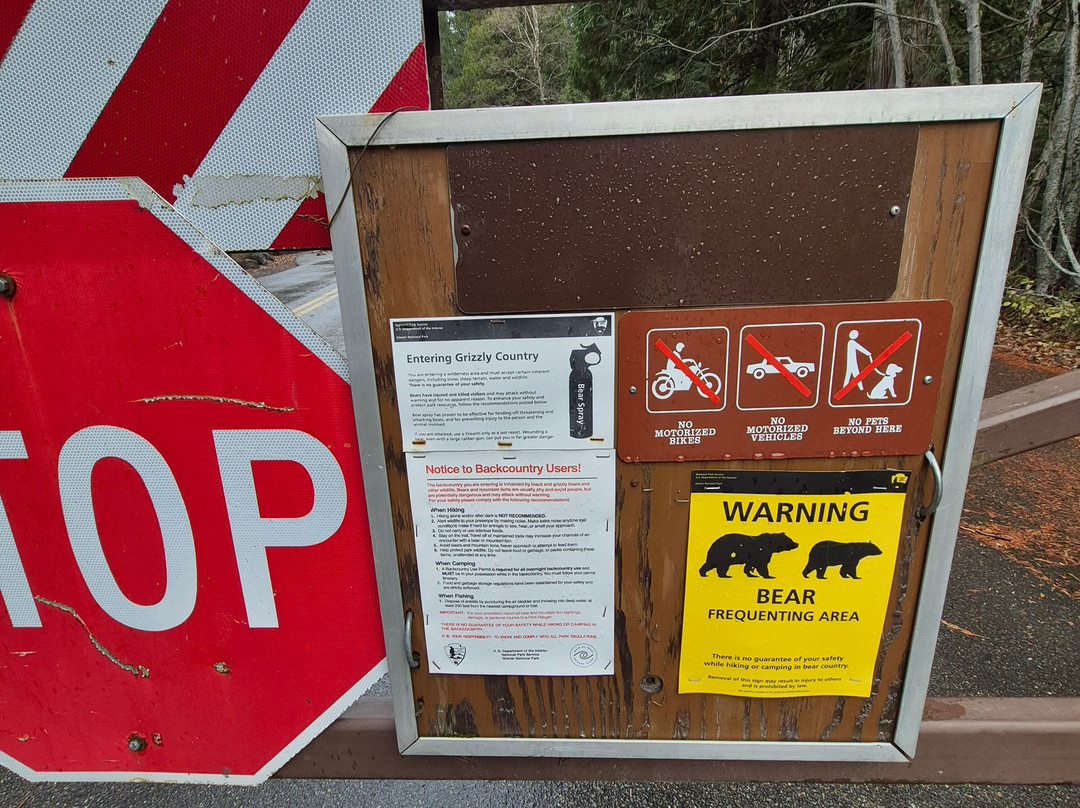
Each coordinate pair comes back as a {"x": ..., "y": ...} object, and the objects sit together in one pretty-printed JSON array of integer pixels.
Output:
[{"x": 780, "y": 381}]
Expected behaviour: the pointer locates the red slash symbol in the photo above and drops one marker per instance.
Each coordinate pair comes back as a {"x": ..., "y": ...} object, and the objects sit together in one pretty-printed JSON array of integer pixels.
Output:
[
  {"x": 772, "y": 360},
  {"x": 681, "y": 365},
  {"x": 873, "y": 365}
]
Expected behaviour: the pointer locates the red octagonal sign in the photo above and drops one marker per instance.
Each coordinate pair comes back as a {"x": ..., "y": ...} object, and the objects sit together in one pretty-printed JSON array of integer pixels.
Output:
[{"x": 185, "y": 566}]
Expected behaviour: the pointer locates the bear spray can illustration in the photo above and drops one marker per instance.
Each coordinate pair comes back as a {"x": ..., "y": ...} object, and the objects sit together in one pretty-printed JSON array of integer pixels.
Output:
[{"x": 581, "y": 390}]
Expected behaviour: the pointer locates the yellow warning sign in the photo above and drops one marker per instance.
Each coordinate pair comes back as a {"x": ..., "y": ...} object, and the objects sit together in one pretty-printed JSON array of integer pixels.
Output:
[{"x": 788, "y": 576}]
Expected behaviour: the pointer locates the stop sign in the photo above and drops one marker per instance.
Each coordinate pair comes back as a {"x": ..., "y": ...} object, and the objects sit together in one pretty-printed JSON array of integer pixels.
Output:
[{"x": 185, "y": 567}]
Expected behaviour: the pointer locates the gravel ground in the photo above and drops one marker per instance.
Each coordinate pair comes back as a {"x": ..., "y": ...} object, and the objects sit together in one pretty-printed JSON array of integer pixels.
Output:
[
  {"x": 1012, "y": 612},
  {"x": 526, "y": 794},
  {"x": 1026, "y": 641}
]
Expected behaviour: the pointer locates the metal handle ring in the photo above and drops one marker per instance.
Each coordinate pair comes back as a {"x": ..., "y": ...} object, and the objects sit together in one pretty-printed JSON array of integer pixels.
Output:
[
  {"x": 935, "y": 473},
  {"x": 412, "y": 657}
]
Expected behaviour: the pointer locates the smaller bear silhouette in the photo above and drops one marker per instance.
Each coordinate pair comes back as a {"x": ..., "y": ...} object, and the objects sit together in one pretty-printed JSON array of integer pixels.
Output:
[
  {"x": 846, "y": 555},
  {"x": 752, "y": 552}
]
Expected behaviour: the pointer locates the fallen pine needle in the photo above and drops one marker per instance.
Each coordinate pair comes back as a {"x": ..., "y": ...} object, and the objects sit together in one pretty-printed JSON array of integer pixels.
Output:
[
  {"x": 986, "y": 533},
  {"x": 963, "y": 631}
]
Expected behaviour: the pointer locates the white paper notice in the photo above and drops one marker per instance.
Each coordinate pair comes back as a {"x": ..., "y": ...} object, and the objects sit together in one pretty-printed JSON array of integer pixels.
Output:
[
  {"x": 508, "y": 429},
  {"x": 532, "y": 382},
  {"x": 516, "y": 560}
]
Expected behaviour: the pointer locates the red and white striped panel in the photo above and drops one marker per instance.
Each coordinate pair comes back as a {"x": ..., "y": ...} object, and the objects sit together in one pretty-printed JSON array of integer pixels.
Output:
[{"x": 211, "y": 102}]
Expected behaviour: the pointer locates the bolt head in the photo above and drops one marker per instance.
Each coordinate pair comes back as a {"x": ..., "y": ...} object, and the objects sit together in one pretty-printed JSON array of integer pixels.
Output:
[
  {"x": 894, "y": 210},
  {"x": 927, "y": 379},
  {"x": 7, "y": 285},
  {"x": 651, "y": 683},
  {"x": 136, "y": 743},
  {"x": 633, "y": 389}
]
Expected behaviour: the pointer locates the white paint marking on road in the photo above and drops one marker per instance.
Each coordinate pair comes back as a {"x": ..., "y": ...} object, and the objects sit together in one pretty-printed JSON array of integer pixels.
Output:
[{"x": 311, "y": 305}]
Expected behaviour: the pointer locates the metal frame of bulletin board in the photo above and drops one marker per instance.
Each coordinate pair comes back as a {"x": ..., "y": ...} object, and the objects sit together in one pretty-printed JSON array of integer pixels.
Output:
[{"x": 408, "y": 223}]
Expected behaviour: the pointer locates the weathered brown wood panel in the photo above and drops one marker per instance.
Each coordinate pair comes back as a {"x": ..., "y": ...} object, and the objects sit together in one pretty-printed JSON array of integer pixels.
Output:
[
  {"x": 406, "y": 240},
  {"x": 687, "y": 219}
]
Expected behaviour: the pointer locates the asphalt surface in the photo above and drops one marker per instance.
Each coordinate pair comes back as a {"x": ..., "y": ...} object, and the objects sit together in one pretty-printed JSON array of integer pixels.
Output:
[
  {"x": 310, "y": 290},
  {"x": 1011, "y": 638},
  {"x": 1024, "y": 644},
  {"x": 527, "y": 794}
]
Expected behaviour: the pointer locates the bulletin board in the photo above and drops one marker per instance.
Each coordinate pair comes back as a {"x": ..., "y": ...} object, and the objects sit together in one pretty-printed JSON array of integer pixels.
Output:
[{"x": 666, "y": 408}]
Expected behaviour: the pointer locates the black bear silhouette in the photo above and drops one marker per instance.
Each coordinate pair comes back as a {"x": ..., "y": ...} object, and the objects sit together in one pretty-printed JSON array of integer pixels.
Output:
[
  {"x": 846, "y": 555},
  {"x": 753, "y": 552}
]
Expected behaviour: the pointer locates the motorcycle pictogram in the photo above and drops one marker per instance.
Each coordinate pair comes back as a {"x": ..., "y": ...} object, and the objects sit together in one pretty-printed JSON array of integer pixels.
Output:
[{"x": 673, "y": 379}]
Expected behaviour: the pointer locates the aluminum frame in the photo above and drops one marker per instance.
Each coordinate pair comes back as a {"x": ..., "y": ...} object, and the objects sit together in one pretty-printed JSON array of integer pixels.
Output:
[{"x": 1015, "y": 106}]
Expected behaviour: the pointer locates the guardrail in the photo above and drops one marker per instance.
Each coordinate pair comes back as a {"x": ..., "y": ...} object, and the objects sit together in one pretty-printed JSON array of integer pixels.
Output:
[
  {"x": 1027, "y": 418},
  {"x": 1018, "y": 741},
  {"x": 962, "y": 740}
]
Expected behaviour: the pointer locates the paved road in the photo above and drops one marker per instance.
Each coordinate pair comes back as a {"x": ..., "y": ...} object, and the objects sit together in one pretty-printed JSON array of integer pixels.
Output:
[
  {"x": 1006, "y": 659},
  {"x": 310, "y": 290},
  {"x": 526, "y": 794}
]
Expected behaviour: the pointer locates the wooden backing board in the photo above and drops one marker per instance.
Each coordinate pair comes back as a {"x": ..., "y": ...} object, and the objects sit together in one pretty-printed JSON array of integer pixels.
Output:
[{"x": 403, "y": 215}]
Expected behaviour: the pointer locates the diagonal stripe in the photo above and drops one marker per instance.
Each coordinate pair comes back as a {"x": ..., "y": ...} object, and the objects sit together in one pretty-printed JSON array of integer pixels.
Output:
[
  {"x": 681, "y": 365},
  {"x": 308, "y": 226},
  {"x": 409, "y": 86},
  {"x": 11, "y": 17},
  {"x": 338, "y": 58},
  {"x": 776, "y": 363},
  {"x": 58, "y": 74},
  {"x": 873, "y": 365},
  {"x": 191, "y": 74}
]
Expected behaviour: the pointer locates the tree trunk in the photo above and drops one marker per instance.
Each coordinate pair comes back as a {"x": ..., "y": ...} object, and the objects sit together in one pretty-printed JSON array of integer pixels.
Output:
[
  {"x": 1070, "y": 199},
  {"x": 532, "y": 39},
  {"x": 1046, "y": 273},
  {"x": 972, "y": 10},
  {"x": 896, "y": 44},
  {"x": 1031, "y": 32},
  {"x": 766, "y": 50},
  {"x": 946, "y": 45},
  {"x": 880, "y": 70}
]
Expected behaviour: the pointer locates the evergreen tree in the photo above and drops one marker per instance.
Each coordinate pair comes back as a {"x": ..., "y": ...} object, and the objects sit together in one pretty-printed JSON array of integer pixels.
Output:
[{"x": 512, "y": 56}]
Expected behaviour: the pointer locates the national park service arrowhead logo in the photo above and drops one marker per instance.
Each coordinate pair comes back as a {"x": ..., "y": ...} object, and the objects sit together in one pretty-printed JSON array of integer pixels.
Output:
[{"x": 455, "y": 652}]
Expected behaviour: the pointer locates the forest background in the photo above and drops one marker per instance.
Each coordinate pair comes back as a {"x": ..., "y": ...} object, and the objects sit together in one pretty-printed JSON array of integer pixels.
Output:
[{"x": 638, "y": 49}]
